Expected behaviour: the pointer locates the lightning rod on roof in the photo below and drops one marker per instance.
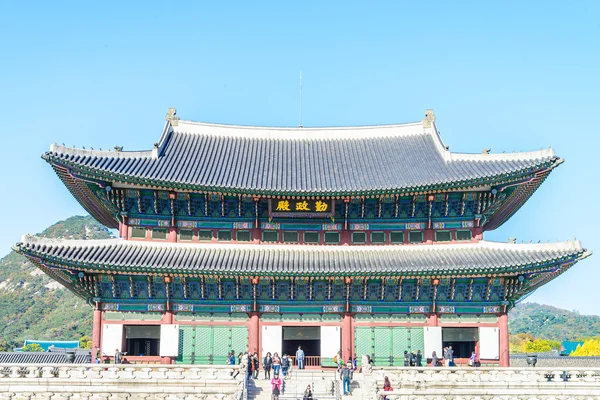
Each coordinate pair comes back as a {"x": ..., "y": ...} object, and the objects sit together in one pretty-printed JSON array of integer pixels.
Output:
[{"x": 300, "y": 126}]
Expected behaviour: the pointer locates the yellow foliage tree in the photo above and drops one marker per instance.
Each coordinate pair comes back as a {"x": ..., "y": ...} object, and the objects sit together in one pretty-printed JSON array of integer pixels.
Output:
[
  {"x": 590, "y": 347},
  {"x": 33, "y": 347},
  {"x": 85, "y": 342}
]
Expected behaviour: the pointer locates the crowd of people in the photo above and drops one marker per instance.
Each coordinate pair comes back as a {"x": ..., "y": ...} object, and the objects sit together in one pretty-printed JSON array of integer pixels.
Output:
[{"x": 249, "y": 364}]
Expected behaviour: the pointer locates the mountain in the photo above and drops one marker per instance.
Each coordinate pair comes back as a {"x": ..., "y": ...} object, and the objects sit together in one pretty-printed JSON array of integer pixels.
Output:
[
  {"x": 552, "y": 323},
  {"x": 34, "y": 306}
]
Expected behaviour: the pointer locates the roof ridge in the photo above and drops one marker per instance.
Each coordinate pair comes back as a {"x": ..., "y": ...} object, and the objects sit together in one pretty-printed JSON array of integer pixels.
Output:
[{"x": 301, "y": 133}]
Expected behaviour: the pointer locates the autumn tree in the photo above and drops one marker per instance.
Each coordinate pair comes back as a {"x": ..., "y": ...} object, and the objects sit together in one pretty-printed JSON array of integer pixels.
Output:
[{"x": 590, "y": 347}]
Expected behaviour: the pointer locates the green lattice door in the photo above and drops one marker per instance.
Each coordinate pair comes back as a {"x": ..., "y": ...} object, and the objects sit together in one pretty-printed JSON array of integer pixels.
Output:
[
  {"x": 363, "y": 342},
  {"x": 400, "y": 343},
  {"x": 210, "y": 345},
  {"x": 239, "y": 339},
  {"x": 382, "y": 346},
  {"x": 417, "y": 340},
  {"x": 187, "y": 344},
  {"x": 204, "y": 345},
  {"x": 386, "y": 345}
]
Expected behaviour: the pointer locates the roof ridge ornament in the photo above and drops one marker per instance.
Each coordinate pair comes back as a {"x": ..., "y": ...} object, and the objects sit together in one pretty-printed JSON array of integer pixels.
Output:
[
  {"x": 429, "y": 118},
  {"x": 172, "y": 116}
]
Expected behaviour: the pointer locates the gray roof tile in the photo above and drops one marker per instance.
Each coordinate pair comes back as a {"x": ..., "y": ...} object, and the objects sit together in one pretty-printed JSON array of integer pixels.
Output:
[
  {"x": 114, "y": 254},
  {"x": 316, "y": 160}
]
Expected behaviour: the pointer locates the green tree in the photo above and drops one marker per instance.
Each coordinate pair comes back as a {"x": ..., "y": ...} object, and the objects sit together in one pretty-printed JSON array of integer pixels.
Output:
[
  {"x": 3, "y": 345},
  {"x": 33, "y": 347}
]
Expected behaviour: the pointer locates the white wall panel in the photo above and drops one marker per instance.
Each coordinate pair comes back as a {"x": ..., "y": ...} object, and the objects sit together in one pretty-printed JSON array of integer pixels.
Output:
[
  {"x": 489, "y": 343},
  {"x": 112, "y": 338},
  {"x": 272, "y": 339},
  {"x": 433, "y": 341},
  {"x": 331, "y": 341},
  {"x": 169, "y": 341}
]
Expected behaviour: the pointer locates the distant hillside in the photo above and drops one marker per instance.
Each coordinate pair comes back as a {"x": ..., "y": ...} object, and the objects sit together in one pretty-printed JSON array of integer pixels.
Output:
[
  {"x": 552, "y": 323},
  {"x": 35, "y": 306}
]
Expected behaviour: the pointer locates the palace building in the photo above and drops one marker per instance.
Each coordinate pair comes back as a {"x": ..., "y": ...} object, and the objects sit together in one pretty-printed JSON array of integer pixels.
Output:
[{"x": 365, "y": 240}]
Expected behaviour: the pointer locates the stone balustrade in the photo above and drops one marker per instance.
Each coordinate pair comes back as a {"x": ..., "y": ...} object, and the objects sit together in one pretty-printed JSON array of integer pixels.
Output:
[
  {"x": 116, "y": 382},
  {"x": 487, "y": 383}
]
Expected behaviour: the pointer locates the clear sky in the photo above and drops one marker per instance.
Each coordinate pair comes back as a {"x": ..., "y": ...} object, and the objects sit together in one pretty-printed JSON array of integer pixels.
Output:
[{"x": 508, "y": 75}]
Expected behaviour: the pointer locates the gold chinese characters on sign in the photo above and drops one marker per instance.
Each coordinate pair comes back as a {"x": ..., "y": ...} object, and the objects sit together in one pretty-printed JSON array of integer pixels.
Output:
[{"x": 288, "y": 207}]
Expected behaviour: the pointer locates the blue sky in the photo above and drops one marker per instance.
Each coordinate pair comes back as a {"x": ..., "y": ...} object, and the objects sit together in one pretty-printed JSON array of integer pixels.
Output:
[{"x": 508, "y": 75}]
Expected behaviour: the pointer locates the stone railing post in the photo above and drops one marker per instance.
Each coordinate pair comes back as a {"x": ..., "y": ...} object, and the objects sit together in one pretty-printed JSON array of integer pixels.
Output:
[{"x": 15, "y": 372}]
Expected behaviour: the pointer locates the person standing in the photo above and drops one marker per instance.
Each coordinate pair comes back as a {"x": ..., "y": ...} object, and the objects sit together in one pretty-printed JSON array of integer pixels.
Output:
[
  {"x": 276, "y": 384},
  {"x": 285, "y": 364},
  {"x": 117, "y": 356},
  {"x": 451, "y": 357},
  {"x": 267, "y": 364},
  {"x": 473, "y": 359},
  {"x": 434, "y": 359},
  {"x": 418, "y": 359},
  {"x": 231, "y": 360},
  {"x": 346, "y": 378},
  {"x": 276, "y": 363},
  {"x": 255, "y": 365},
  {"x": 98, "y": 355},
  {"x": 300, "y": 357},
  {"x": 446, "y": 357},
  {"x": 406, "y": 358}
]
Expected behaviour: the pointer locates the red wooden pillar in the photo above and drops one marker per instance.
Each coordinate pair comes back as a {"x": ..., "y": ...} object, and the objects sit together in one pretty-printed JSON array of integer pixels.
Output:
[
  {"x": 428, "y": 236},
  {"x": 477, "y": 234},
  {"x": 172, "y": 235},
  {"x": 253, "y": 332},
  {"x": 347, "y": 346},
  {"x": 432, "y": 320},
  {"x": 96, "y": 330},
  {"x": 504, "y": 349}
]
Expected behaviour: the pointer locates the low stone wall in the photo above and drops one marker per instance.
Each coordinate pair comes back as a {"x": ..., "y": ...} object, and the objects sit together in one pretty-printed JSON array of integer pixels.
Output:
[
  {"x": 117, "y": 382},
  {"x": 556, "y": 362},
  {"x": 487, "y": 383}
]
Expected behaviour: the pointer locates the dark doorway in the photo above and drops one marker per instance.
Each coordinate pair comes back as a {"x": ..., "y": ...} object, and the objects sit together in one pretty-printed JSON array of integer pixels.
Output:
[
  {"x": 142, "y": 347},
  {"x": 461, "y": 349},
  {"x": 309, "y": 337},
  {"x": 462, "y": 340},
  {"x": 142, "y": 340}
]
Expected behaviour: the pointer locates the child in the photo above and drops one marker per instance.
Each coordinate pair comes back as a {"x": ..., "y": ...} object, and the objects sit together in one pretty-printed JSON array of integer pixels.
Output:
[{"x": 275, "y": 387}]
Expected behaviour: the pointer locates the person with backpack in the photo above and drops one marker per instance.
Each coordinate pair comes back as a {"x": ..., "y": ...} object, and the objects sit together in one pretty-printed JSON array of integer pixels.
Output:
[
  {"x": 276, "y": 385},
  {"x": 285, "y": 364},
  {"x": 267, "y": 364}
]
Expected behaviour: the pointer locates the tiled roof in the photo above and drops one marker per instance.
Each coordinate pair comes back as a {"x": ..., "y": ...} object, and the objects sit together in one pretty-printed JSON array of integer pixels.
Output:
[
  {"x": 300, "y": 160},
  {"x": 133, "y": 256},
  {"x": 42, "y": 358}
]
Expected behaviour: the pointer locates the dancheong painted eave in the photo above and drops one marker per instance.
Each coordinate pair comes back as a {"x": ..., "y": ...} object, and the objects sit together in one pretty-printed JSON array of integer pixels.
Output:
[
  {"x": 473, "y": 259},
  {"x": 343, "y": 161}
]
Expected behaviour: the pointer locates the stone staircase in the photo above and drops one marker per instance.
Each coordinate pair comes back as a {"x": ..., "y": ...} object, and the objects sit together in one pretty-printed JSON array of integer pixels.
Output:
[{"x": 322, "y": 382}]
